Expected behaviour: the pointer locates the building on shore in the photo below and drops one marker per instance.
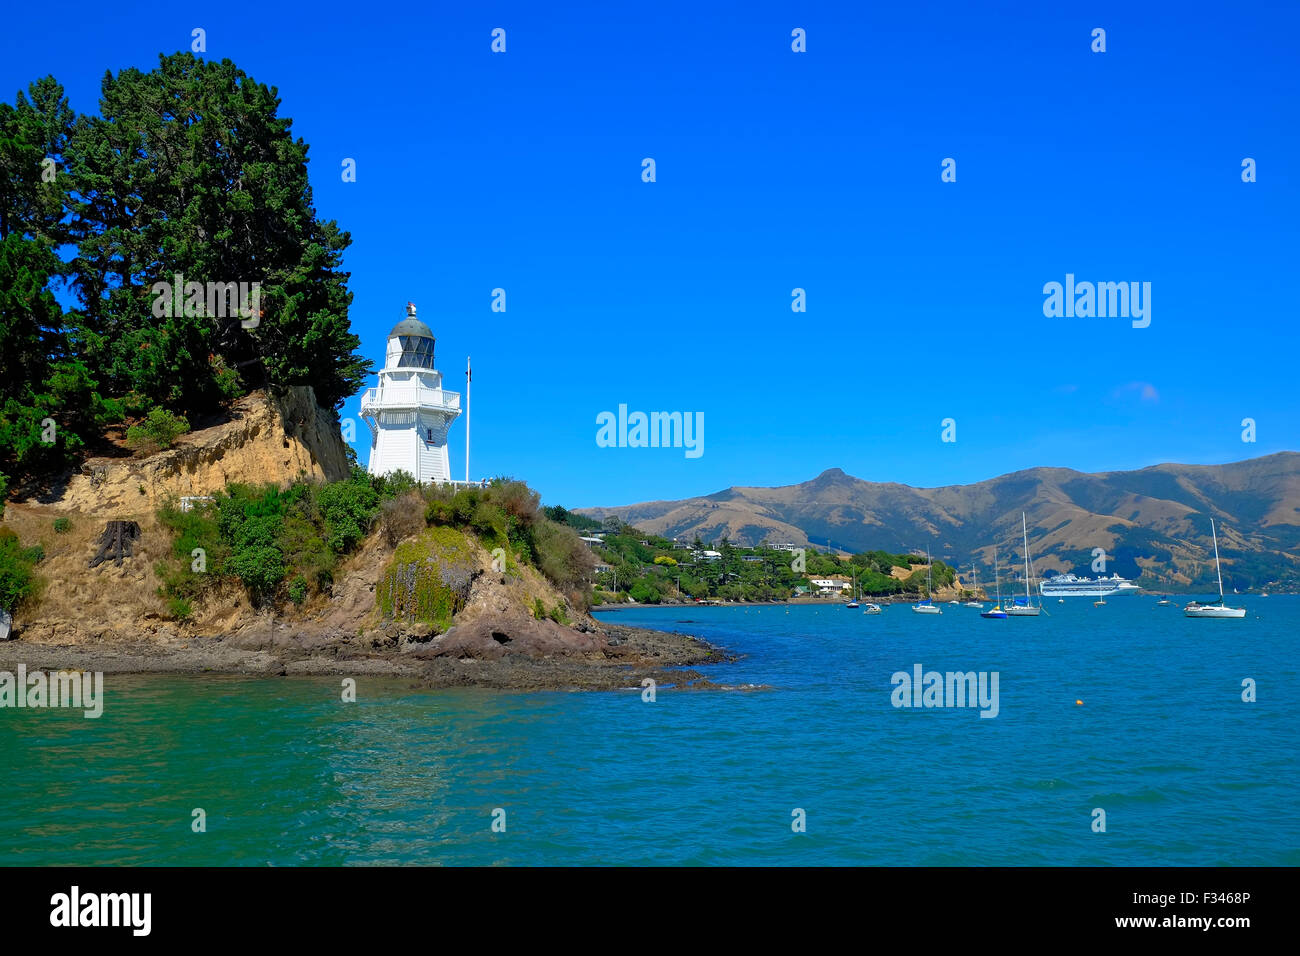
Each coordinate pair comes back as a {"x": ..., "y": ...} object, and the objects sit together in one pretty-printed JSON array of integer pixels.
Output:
[{"x": 832, "y": 585}]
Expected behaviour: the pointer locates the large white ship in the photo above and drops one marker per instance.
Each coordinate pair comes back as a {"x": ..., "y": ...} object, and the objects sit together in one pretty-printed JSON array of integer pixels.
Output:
[{"x": 1068, "y": 585}]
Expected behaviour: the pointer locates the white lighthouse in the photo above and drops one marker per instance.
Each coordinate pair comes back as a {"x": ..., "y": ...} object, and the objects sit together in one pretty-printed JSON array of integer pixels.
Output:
[{"x": 410, "y": 412}]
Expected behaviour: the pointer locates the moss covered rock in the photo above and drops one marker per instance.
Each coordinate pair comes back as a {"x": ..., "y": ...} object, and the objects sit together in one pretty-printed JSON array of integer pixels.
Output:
[{"x": 428, "y": 579}]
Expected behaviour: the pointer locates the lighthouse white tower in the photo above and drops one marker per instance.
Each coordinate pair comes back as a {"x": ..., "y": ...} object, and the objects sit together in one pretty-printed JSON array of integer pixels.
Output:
[{"x": 410, "y": 412}]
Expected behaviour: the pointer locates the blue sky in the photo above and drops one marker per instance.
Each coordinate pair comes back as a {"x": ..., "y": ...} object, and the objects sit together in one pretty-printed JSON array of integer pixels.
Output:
[{"x": 777, "y": 170}]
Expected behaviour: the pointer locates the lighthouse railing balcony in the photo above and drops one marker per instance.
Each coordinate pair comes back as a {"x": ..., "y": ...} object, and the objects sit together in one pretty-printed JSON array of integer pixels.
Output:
[{"x": 408, "y": 397}]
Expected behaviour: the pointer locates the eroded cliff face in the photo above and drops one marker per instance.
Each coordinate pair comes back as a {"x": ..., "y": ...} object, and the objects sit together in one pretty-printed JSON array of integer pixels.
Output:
[
  {"x": 436, "y": 593},
  {"x": 268, "y": 440}
]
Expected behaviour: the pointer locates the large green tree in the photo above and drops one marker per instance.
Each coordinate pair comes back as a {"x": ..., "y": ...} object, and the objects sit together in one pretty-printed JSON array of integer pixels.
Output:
[
  {"x": 189, "y": 169},
  {"x": 47, "y": 396}
]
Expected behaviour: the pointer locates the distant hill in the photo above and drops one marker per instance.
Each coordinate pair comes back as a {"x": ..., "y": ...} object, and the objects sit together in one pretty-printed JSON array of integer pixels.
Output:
[{"x": 1153, "y": 522}]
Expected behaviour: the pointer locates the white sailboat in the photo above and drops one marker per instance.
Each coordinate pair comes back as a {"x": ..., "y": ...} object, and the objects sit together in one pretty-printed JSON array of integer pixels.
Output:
[
  {"x": 975, "y": 578},
  {"x": 1028, "y": 609},
  {"x": 996, "y": 610},
  {"x": 928, "y": 606},
  {"x": 1197, "y": 609}
]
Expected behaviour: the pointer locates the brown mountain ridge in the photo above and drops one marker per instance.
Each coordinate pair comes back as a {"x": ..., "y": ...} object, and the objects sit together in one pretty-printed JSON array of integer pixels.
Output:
[{"x": 1152, "y": 523}]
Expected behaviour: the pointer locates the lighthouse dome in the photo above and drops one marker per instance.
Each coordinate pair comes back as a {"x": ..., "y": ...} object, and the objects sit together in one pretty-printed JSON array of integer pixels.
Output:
[
  {"x": 411, "y": 326},
  {"x": 410, "y": 344}
]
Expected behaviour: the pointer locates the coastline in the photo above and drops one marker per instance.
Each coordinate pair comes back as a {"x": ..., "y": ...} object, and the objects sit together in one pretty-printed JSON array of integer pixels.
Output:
[
  {"x": 632, "y": 654},
  {"x": 837, "y": 602}
]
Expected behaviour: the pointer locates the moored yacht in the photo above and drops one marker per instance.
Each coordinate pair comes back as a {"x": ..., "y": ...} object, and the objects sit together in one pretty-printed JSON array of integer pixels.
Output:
[
  {"x": 1027, "y": 608},
  {"x": 928, "y": 606},
  {"x": 1197, "y": 609},
  {"x": 996, "y": 612}
]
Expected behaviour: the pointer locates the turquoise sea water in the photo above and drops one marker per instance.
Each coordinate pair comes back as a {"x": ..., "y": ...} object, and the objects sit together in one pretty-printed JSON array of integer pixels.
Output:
[{"x": 287, "y": 773}]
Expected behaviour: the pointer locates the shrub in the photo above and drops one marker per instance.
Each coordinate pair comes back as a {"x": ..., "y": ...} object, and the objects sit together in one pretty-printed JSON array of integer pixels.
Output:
[
  {"x": 193, "y": 529},
  {"x": 561, "y": 555},
  {"x": 159, "y": 430},
  {"x": 306, "y": 551},
  {"x": 225, "y": 378},
  {"x": 260, "y": 568},
  {"x": 558, "y": 614},
  {"x": 395, "y": 484},
  {"x": 348, "y": 508},
  {"x": 489, "y": 522},
  {"x": 62, "y": 525},
  {"x": 440, "y": 513},
  {"x": 17, "y": 581},
  {"x": 402, "y": 517},
  {"x": 298, "y": 590},
  {"x": 180, "y": 609},
  {"x": 539, "y": 609}
]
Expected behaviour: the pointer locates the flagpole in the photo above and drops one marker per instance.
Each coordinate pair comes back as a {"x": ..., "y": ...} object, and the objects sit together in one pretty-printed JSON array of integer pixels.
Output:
[{"x": 468, "y": 379}]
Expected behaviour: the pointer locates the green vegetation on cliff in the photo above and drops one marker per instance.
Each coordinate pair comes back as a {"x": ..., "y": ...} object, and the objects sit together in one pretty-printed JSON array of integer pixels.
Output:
[
  {"x": 429, "y": 578},
  {"x": 285, "y": 544},
  {"x": 264, "y": 537},
  {"x": 18, "y": 581}
]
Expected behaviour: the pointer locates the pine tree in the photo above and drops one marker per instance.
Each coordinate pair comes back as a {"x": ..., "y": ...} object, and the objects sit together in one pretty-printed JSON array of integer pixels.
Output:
[{"x": 190, "y": 170}]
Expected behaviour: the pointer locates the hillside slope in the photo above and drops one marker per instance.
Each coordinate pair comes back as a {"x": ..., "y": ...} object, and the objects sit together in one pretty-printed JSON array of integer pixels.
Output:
[{"x": 1152, "y": 522}]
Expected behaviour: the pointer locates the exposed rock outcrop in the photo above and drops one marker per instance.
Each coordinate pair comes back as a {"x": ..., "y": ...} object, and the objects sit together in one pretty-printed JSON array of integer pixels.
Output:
[{"x": 267, "y": 439}]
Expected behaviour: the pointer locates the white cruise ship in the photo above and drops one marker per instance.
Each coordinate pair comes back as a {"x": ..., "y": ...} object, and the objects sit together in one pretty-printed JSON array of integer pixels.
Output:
[{"x": 1068, "y": 585}]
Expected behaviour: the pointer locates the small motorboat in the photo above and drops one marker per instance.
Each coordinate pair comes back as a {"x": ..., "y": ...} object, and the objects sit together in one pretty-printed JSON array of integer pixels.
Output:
[
  {"x": 871, "y": 608},
  {"x": 994, "y": 612}
]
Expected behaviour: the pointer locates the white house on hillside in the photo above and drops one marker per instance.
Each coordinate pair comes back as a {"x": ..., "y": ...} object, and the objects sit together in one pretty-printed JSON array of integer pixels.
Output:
[{"x": 831, "y": 585}]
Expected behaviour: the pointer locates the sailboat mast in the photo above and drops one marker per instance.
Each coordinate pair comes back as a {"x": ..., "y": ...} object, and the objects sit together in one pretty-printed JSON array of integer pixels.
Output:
[
  {"x": 1025, "y": 531},
  {"x": 1216, "y": 559}
]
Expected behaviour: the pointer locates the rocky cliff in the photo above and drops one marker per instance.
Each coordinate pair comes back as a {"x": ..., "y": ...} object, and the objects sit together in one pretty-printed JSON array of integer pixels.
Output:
[
  {"x": 267, "y": 439},
  {"x": 431, "y": 606}
]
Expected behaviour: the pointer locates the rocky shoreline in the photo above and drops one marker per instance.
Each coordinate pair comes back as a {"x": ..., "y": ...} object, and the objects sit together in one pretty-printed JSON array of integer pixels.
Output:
[{"x": 623, "y": 660}]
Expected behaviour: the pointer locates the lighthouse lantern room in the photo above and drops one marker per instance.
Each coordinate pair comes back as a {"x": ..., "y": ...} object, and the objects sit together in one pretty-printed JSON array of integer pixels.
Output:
[{"x": 409, "y": 413}]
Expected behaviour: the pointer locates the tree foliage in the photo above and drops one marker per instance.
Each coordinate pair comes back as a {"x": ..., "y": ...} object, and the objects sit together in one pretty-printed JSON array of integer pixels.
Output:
[{"x": 187, "y": 170}]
